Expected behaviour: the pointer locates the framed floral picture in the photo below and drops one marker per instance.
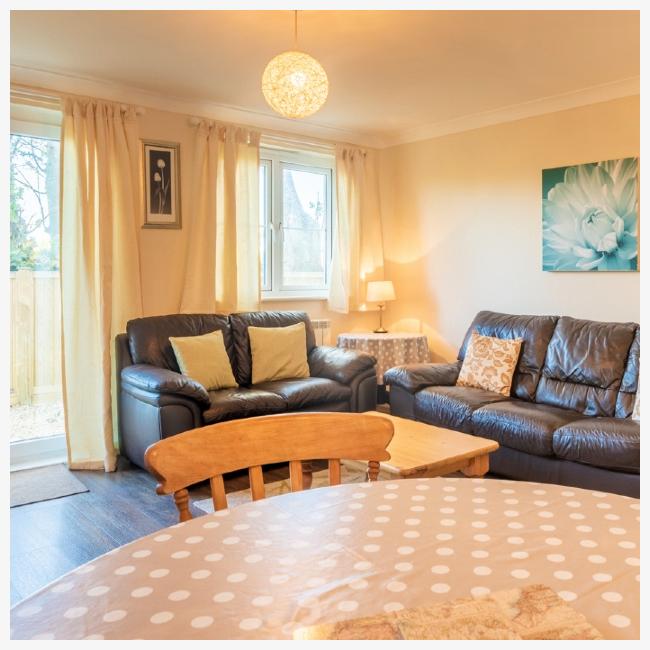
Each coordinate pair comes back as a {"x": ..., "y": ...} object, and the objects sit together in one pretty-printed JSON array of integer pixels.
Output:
[
  {"x": 161, "y": 184},
  {"x": 590, "y": 216}
]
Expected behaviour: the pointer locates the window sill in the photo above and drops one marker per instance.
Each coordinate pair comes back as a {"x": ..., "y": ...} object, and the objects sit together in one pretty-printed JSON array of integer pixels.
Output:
[{"x": 293, "y": 297}]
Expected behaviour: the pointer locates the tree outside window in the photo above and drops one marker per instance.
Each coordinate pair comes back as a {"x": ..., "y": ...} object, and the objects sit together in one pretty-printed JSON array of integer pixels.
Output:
[{"x": 34, "y": 203}]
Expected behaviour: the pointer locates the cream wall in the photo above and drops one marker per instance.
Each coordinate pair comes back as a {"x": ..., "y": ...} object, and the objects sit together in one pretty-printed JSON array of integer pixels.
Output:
[
  {"x": 162, "y": 252},
  {"x": 462, "y": 223}
]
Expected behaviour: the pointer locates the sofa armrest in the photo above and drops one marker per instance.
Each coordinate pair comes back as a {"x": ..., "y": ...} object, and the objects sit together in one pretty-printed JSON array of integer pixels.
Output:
[
  {"x": 416, "y": 376},
  {"x": 160, "y": 380},
  {"x": 339, "y": 364}
]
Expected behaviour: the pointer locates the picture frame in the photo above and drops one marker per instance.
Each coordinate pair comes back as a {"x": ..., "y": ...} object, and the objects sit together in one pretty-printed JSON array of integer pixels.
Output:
[
  {"x": 590, "y": 217},
  {"x": 162, "y": 188}
]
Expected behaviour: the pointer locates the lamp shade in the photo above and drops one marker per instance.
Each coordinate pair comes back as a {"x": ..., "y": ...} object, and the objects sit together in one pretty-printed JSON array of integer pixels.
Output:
[
  {"x": 294, "y": 84},
  {"x": 381, "y": 291}
]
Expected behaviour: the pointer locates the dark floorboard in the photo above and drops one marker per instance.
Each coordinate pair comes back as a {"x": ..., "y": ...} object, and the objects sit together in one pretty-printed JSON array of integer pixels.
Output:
[{"x": 50, "y": 538}]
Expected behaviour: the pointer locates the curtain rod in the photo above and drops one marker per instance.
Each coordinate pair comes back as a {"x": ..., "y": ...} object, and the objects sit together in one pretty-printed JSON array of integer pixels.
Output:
[
  {"x": 280, "y": 139},
  {"x": 50, "y": 98}
]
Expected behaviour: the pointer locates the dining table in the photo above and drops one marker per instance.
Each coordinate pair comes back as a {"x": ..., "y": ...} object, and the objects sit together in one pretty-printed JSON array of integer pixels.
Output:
[{"x": 263, "y": 569}]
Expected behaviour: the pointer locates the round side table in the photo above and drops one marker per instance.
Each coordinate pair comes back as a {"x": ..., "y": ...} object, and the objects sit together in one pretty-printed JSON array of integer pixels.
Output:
[{"x": 390, "y": 349}]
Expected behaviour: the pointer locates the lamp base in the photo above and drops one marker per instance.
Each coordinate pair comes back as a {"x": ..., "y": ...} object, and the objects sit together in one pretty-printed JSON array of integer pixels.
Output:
[{"x": 380, "y": 330}]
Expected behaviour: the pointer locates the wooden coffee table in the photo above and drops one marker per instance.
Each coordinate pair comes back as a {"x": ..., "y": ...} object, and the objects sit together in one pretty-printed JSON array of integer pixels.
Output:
[{"x": 418, "y": 450}]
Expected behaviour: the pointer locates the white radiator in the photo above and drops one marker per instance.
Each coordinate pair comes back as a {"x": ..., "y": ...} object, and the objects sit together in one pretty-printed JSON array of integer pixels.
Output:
[{"x": 323, "y": 331}]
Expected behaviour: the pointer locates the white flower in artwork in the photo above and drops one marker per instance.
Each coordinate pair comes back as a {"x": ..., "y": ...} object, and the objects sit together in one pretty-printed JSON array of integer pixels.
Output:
[
  {"x": 591, "y": 218},
  {"x": 162, "y": 188}
]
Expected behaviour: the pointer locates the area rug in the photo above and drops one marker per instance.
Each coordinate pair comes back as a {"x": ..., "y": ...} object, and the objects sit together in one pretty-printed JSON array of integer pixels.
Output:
[
  {"x": 319, "y": 479},
  {"x": 43, "y": 484}
]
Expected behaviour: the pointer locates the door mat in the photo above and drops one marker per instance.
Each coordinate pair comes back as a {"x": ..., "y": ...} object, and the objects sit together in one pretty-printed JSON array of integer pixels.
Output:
[{"x": 43, "y": 484}]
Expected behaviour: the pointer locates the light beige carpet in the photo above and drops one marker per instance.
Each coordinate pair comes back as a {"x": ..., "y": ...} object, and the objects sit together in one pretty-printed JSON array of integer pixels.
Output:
[
  {"x": 43, "y": 484},
  {"x": 320, "y": 479}
]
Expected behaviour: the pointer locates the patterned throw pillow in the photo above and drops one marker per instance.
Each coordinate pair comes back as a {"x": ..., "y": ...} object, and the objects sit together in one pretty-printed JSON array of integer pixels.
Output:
[{"x": 490, "y": 363}]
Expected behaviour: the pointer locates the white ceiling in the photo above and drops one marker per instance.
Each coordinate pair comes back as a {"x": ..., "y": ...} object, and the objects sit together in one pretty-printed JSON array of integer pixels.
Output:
[{"x": 393, "y": 75}]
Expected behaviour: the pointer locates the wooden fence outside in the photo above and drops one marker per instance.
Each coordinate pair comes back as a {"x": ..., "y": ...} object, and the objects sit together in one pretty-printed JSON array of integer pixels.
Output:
[{"x": 35, "y": 321}]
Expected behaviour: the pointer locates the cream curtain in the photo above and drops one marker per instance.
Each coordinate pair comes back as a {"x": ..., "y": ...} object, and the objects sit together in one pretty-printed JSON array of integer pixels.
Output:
[
  {"x": 358, "y": 255},
  {"x": 223, "y": 256},
  {"x": 100, "y": 269}
]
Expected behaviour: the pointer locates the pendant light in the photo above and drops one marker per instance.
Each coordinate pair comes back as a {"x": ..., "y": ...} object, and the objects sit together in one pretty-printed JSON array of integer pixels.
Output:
[{"x": 294, "y": 84}]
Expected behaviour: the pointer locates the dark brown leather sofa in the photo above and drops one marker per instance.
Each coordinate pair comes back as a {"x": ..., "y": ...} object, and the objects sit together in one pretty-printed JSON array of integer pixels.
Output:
[
  {"x": 156, "y": 401},
  {"x": 567, "y": 419}
]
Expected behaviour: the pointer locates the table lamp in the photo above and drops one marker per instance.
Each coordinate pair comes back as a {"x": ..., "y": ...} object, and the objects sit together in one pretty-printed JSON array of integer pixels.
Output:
[{"x": 380, "y": 292}]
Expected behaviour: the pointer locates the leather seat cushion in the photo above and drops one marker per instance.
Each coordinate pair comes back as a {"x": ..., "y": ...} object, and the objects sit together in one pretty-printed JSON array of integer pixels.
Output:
[
  {"x": 585, "y": 365},
  {"x": 452, "y": 406},
  {"x": 149, "y": 336},
  {"x": 520, "y": 425},
  {"x": 303, "y": 393},
  {"x": 234, "y": 403},
  {"x": 612, "y": 443},
  {"x": 241, "y": 321},
  {"x": 535, "y": 332}
]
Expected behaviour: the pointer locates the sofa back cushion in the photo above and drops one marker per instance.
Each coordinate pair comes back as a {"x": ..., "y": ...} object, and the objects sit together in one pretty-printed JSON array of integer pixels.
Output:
[
  {"x": 535, "y": 332},
  {"x": 149, "y": 337},
  {"x": 630, "y": 383},
  {"x": 585, "y": 364},
  {"x": 242, "y": 321}
]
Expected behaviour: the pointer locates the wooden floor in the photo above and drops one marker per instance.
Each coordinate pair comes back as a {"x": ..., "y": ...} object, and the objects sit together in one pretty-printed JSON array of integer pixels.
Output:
[{"x": 50, "y": 538}]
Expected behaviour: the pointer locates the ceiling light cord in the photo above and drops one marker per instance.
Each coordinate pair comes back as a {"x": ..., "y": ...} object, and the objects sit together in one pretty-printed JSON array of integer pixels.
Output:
[{"x": 295, "y": 29}]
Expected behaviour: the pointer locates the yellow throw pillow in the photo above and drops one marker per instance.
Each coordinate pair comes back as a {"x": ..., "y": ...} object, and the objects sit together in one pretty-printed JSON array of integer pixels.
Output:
[
  {"x": 490, "y": 363},
  {"x": 204, "y": 359},
  {"x": 279, "y": 352}
]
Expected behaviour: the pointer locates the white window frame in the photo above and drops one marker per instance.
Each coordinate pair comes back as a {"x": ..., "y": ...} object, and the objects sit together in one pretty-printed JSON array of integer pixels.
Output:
[
  {"x": 48, "y": 450},
  {"x": 276, "y": 160}
]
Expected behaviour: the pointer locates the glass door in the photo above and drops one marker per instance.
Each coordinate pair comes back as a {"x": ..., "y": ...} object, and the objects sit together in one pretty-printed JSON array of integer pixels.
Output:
[{"x": 37, "y": 430}]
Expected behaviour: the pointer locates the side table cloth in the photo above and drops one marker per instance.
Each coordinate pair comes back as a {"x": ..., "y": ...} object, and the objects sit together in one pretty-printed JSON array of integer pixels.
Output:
[{"x": 390, "y": 350}]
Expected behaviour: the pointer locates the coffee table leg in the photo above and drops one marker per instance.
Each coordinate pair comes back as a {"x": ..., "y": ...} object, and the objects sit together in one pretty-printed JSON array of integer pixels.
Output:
[
  {"x": 373, "y": 470},
  {"x": 478, "y": 466}
]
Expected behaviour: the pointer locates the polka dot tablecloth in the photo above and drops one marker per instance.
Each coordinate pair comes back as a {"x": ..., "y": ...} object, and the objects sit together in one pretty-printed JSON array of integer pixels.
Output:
[
  {"x": 390, "y": 350},
  {"x": 265, "y": 568}
]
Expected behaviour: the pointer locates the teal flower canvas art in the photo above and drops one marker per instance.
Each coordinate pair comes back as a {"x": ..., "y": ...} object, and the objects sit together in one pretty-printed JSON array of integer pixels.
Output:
[{"x": 590, "y": 217}]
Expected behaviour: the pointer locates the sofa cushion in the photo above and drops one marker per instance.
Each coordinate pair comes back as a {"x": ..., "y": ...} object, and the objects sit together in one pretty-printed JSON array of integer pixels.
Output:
[
  {"x": 490, "y": 363},
  {"x": 278, "y": 353},
  {"x": 452, "y": 406},
  {"x": 204, "y": 359},
  {"x": 149, "y": 337},
  {"x": 521, "y": 425},
  {"x": 626, "y": 397},
  {"x": 536, "y": 332},
  {"x": 231, "y": 403},
  {"x": 612, "y": 443},
  {"x": 303, "y": 393},
  {"x": 240, "y": 323},
  {"x": 585, "y": 364}
]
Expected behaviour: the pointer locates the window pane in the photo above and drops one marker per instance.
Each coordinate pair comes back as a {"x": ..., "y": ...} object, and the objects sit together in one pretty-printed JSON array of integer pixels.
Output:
[
  {"x": 34, "y": 203},
  {"x": 304, "y": 228}
]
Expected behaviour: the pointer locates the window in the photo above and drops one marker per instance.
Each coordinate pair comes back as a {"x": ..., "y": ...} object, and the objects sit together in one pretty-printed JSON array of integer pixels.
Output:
[
  {"x": 295, "y": 223},
  {"x": 36, "y": 414}
]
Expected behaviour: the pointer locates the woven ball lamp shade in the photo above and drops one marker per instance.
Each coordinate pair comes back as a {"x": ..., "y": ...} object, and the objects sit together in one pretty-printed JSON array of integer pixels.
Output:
[{"x": 294, "y": 84}]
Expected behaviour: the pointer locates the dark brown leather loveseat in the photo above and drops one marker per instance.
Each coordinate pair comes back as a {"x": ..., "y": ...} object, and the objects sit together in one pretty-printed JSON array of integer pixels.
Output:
[
  {"x": 567, "y": 419},
  {"x": 156, "y": 401}
]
